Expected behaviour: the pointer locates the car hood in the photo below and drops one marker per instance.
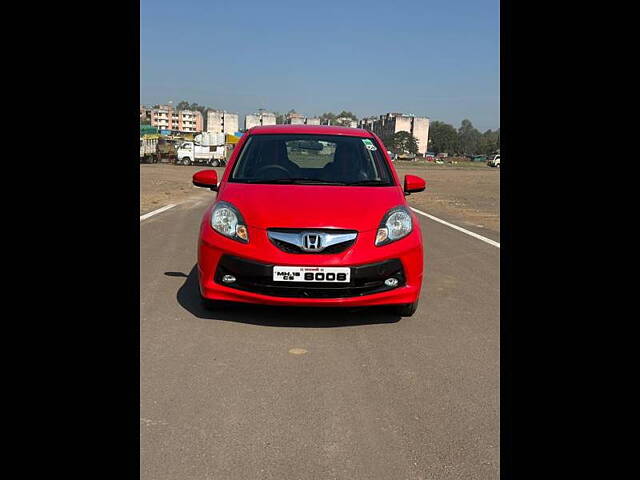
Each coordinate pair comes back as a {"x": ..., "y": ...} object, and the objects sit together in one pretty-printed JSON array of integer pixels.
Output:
[{"x": 312, "y": 206}]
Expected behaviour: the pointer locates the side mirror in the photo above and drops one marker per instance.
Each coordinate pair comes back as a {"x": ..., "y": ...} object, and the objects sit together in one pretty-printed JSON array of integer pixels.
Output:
[
  {"x": 413, "y": 184},
  {"x": 206, "y": 179}
]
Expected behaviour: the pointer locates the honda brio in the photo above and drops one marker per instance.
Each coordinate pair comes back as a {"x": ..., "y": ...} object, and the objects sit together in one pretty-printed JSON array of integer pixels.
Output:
[{"x": 310, "y": 216}]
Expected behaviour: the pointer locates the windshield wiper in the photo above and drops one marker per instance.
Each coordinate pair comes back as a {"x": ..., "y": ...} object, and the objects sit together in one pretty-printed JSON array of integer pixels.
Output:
[
  {"x": 312, "y": 181},
  {"x": 369, "y": 182},
  {"x": 297, "y": 181}
]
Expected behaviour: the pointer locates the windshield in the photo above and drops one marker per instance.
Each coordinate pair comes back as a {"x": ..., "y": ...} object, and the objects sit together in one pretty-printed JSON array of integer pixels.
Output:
[{"x": 312, "y": 160}]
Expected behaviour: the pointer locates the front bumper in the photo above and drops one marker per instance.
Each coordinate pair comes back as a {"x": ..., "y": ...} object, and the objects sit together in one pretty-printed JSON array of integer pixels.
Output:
[{"x": 252, "y": 265}]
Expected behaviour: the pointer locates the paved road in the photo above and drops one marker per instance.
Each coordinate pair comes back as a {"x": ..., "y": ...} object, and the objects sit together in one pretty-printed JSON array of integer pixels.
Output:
[{"x": 373, "y": 397}]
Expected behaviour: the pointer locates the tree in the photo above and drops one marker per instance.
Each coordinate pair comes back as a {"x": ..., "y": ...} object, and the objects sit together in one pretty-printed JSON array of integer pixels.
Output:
[
  {"x": 184, "y": 105},
  {"x": 468, "y": 138},
  {"x": 332, "y": 118},
  {"x": 280, "y": 118},
  {"x": 444, "y": 137},
  {"x": 328, "y": 118},
  {"x": 404, "y": 142},
  {"x": 387, "y": 140},
  {"x": 489, "y": 142},
  {"x": 345, "y": 114}
]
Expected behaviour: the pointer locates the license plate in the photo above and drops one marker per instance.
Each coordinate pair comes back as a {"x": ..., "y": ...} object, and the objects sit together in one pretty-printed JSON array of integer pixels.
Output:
[{"x": 312, "y": 274}]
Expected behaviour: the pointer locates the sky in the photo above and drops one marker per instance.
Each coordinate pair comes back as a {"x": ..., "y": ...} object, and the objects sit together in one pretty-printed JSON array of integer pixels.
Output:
[{"x": 439, "y": 59}]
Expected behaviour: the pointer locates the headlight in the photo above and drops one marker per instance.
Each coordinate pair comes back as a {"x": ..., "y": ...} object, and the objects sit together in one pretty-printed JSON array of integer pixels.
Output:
[
  {"x": 396, "y": 224},
  {"x": 226, "y": 219}
]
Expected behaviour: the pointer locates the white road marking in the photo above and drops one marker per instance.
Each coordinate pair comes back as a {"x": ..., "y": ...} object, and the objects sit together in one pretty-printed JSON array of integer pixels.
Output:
[
  {"x": 155, "y": 212},
  {"x": 297, "y": 351},
  {"x": 455, "y": 227}
]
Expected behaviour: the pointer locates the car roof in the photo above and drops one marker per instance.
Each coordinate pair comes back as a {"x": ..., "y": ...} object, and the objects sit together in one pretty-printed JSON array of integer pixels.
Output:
[{"x": 309, "y": 129}]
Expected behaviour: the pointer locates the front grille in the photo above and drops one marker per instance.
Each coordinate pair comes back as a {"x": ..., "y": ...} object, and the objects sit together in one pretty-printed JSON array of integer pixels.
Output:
[
  {"x": 290, "y": 248},
  {"x": 258, "y": 278},
  {"x": 332, "y": 249}
]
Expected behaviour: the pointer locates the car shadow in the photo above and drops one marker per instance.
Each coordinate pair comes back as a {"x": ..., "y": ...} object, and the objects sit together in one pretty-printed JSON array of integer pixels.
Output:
[{"x": 188, "y": 297}]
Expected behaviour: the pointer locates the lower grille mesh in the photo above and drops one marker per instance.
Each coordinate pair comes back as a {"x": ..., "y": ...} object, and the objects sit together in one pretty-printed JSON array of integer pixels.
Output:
[{"x": 258, "y": 278}]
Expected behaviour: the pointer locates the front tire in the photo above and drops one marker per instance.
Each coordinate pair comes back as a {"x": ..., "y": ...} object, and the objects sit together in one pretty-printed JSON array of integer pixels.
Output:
[
  {"x": 407, "y": 309},
  {"x": 208, "y": 304},
  {"x": 186, "y": 161},
  {"x": 215, "y": 163}
]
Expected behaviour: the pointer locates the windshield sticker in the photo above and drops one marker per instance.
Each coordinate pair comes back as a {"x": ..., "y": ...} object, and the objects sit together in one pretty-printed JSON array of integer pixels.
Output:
[{"x": 369, "y": 144}]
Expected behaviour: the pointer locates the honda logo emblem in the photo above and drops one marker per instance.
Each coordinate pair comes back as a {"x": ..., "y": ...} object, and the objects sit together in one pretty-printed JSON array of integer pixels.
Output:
[{"x": 311, "y": 242}]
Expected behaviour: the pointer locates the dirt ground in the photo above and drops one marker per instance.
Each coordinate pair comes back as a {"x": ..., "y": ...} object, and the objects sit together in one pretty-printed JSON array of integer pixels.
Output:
[
  {"x": 467, "y": 195},
  {"x": 164, "y": 183}
]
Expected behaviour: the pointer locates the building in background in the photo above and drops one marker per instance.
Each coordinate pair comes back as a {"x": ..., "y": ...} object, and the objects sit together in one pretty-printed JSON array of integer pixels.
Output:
[
  {"x": 299, "y": 119},
  {"x": 165, "y": 117},
  {"x": 257, "y": 119},
  {"x": 367, "y": 123},
  {"x": 345, "y": 122},
  {"x": 220, "y": 121},
  {"x": 386, "y": 125},
  {"x": 252, "y": 120},
  {"x": 145, "y": 114},
  {"x": 295, "y": 119},
  {"x": 341, "y": 122}
]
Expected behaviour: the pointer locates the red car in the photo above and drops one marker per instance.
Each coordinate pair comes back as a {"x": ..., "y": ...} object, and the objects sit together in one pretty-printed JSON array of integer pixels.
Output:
[{"x": 310, "y": 215}]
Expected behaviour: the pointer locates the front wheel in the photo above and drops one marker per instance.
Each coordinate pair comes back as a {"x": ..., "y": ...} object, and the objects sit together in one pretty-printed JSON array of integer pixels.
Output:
[
  {"x": 407, "y": 309},
  {"x": 208, "y": 304},
  {"x": 186, "y": 161},
  {"x": 215, "y": 163}
]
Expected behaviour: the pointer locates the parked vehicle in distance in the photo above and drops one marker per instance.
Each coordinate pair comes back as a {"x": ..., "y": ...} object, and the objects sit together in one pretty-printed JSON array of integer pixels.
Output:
[
  {"x": 148, "y": 150},
  {"x": 166, "y": 150},
  {"x": 190, "y": 153},
  {"x": 294, "y": 224},
  {"x": 494, "y": 161},
  {"x": 479, "y": 158},
  {"x": 407, "y": 156}
]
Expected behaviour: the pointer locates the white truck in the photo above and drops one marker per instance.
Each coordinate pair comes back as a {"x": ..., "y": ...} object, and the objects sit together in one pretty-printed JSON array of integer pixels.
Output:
[
  {"x": 494, "y": 161},
  {"x": 148, "y": 150},
  {"x": 190, "y": 153}
]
